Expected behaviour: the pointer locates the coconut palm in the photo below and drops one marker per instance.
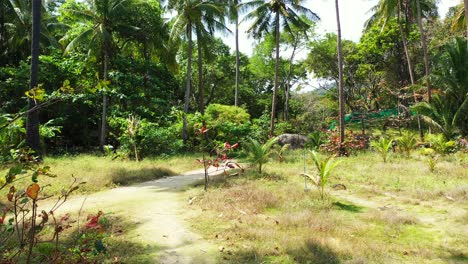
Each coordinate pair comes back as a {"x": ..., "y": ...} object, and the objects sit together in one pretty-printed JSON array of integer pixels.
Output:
[
  {"x": 102, "y": 18},
  {"x": 340, "y": 79},
  {"x": 258, "y": 153},
  {"x": 272, "y": 16},
  {"x": 234, "y": 17},
  {"x": 202, "y": 18},
  {"x": 32, "y": 121}
]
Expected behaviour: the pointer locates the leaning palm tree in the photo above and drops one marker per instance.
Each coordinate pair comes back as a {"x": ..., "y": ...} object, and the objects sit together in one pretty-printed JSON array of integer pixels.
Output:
[
  {"x": 102, "y": 18},
  {"x": 202, "y": 18},
  {"x": 271, "y": 16}
]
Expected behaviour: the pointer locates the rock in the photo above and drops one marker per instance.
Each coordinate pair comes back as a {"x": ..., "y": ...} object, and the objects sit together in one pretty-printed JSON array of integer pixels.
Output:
[{"x": 294, "y": 140}]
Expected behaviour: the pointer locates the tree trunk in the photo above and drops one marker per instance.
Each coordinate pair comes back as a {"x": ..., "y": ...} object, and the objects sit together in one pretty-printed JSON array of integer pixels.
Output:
[
  {"x": 201, "y": 91},
  {"x": 188, "y": 84},
  {"x": 340, "y": 80},
  {"x": 32, "y": 120},
  {"x": 102, "y": 136},
  {"x": 275, "y": 88},
  {"x": 466, "y": 16},
  {"x": 288, "y": 83},
  {"x": 236, "y": 92},
  {"x": 410, "y": 64},
  {"x": 424, "y": 46}
]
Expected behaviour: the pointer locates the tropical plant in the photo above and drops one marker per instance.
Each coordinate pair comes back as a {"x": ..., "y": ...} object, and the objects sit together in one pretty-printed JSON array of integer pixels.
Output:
[
  {"x": 267, "y": 16},
  {"x": 259, "y": 154},
  {"x": 407, "y": 142},
  {"x": 431, "y": 158},
  {"x": 324, "y": 168},
  {"x": 341, "y": 95},
  {"x": 281, "y": 151},
  {"x": 101, "y": 20},
  {"x": 316, "y": 139},
  {"x": 440, "y": 144},
  {"x": 133, "y": 127},
  {"x": 382, "y": 146},
  {"x": 202, "y": 18}
]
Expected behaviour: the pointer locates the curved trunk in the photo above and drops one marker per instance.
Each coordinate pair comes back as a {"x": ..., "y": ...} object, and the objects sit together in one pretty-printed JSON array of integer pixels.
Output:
[
  {"x": 32, "y": 121},
  {"x": 102, "y": 136},
  {"x": 201, "y": 91},
  {"x": 410, "y": 64},
  {"x": 340, "y": 80},
  {"x": 275, "y": 88},
  {"x": 288, "y": 83},
  {"x": 188, "y": 84},
  {"x": 425, "y": 53},
  {"x": 236, "y": 92},
  {"x": 466, "y": 16}
]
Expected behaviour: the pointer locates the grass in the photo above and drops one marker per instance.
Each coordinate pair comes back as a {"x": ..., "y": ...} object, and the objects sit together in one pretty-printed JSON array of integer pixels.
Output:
[
  {"x": 394, "y": 212},
  {"x": 101, "y": 173}
]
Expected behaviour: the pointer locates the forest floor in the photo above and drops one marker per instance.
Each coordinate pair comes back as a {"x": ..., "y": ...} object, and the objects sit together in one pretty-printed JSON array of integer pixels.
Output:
[{"x": 152, "y": 218}]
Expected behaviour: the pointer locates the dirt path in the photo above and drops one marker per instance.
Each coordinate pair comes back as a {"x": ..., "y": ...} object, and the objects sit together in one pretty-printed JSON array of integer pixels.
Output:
[{"x": 155, "y": 207}]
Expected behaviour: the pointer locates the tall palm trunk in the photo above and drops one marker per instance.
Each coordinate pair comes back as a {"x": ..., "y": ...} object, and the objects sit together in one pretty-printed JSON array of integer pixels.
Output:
[
  {"x": 102, "y": 136},
  {"x": 236, "y": 92},
  {"x": 340, "y": 80},
  {"x": 466, "y": 16},
  {"x": 201, "y": 91},
  {"x": 409, "y": 61},
  {"x": 32, "y": 121},
  {"x": 425, "y": 53},
  {"x": 275, "y": 88},
  {"x": 189, "y": 82},
  {"x": 288, "y": 82}
]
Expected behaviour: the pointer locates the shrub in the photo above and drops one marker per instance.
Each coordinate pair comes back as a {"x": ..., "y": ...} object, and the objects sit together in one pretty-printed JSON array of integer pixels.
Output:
[
  {"x": 440, "y": 145},
  {"x": 382, "y": 146},
  {"x": 227, "y": 123},
  {"x": 353, "y": 142}
]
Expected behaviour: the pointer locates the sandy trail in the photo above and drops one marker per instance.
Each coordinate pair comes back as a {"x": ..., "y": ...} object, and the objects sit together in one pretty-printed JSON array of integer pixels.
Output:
[{"x": 156, "y": 209}]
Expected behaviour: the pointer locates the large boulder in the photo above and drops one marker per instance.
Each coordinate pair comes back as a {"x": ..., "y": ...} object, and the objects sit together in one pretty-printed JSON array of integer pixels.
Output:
[{"x": 294, "y": 140}]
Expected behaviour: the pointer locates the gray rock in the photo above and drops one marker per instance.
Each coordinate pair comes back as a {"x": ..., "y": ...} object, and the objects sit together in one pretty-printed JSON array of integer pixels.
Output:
[{"x": 294, "y": 140}]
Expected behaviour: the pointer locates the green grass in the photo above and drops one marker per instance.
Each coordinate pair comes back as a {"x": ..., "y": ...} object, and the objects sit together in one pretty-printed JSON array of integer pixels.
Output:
[
  {"x": 394, "y": 212},
  {"x": 102, "y": 172}
]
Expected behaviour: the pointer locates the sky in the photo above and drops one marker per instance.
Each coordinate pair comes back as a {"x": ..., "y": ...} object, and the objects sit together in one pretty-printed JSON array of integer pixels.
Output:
[{"x": 353, "y": 14}]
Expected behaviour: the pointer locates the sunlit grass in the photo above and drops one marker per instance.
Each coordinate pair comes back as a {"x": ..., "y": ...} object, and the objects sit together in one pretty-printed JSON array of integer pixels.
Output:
[
  {"x": 102, "y": 172},
  {"x": 406, "y": 216}
]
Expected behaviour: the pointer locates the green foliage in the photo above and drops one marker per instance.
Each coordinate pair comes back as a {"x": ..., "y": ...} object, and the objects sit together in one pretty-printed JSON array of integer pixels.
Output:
[
  {"x": 324, "y": 168},
  {"x": 407, "y": 142},
  {"x": 281, "y": 151},
  {"x": 440, "y": 145},
  {"x": 227, "y": 123},
  {"x": 259, "y": 154},
  {"x": 382, "y": 146},
  {"x": 316, "y": 139},
  {"x": 431, "y": 158}
]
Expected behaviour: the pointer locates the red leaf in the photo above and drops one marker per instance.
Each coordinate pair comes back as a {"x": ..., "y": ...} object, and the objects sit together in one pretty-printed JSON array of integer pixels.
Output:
[
  {"x": 235, "y": 145},
  {"x": 94, "y": 222}
]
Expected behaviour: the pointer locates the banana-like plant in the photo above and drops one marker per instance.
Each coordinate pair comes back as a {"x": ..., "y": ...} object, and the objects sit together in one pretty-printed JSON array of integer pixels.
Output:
[
  {"x": 258, "y": 153},
  {"x": 382, "y": 146},
  {"x": 324, "y": 168}
]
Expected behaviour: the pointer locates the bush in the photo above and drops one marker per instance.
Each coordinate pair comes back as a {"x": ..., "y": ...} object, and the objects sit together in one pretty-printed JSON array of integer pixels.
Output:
[{"x": 227, "y": 123}]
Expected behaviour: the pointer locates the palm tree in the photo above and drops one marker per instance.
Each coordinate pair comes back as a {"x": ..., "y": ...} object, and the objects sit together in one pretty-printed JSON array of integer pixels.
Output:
[
  {"x": 20, "y": 28},
  {"x": 340, "y": 79},
  {"x": 268, "y": 15},
  {"x": 203, "y": 18},
  {"x": 403, "y": 11},
  {"x": 234, "y": 16},
  {"x": 32, "y": 121},
  {"x": 98, "y": 37},
  {"x": 465, "y": 3}
]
